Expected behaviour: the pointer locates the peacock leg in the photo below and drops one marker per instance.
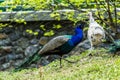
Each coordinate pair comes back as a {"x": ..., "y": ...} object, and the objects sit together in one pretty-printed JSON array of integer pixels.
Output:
[
  {"x": 70, "y": 61},
  {"x": 60, "y": 61},
  {"x": 90, "y": 50}
]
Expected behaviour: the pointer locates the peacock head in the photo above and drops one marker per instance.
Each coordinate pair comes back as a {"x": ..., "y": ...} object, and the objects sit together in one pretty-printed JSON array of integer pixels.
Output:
[
  {"x": 81, "y": 25},
  {"x": 89, "y": 14}
]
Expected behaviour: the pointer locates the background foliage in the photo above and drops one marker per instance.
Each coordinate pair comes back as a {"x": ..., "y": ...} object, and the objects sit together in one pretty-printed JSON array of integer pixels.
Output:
[{"x": 105, "y": 11}]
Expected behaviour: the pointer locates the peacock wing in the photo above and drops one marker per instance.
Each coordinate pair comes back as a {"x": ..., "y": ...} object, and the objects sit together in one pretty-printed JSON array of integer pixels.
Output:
[{"x": 54, "y": 43}]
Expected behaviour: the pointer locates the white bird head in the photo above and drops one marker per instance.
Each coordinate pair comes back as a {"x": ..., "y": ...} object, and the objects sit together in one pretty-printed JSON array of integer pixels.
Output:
[
  {"x": 91, "y": 19},
  {"x": 89, "y": 14}
]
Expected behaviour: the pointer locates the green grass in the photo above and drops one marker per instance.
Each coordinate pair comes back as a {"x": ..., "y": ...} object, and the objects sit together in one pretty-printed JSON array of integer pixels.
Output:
[{"x": 97, "y": 67}]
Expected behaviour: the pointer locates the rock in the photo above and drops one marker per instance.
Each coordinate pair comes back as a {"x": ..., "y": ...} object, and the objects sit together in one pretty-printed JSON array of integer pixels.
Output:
[
  {"x": 23, "y": 43},
  {"x": 118, "y": 32},
  {"x": 33, "y": 66},
  {"x": 118, "y": 29},
  {"x": 5, "y": 66},
  {"x": 14, "y": 43},
  {"x": 14, "y": 57},
  {"x": 15, "y": 36},
  {"x": 47, "y": 59},
  {"x": 2, "y": 59},
  {"x": 34, "y": 41},
  {"x": 85, "y": 44},
  {"x": 6, "y": 48},
  {"x": 8, "y": 29},
  {"x": 19, "y": 56},
  {"x": 51, "y": 58},
  {"x": 19, "y": 50},
  {"x": 43, "y": 40},
  {"x": 5, "y": 42},
  {"x": 3, "y": 36},
  {"x": 11, "y": 57},
  {"x": 31, "y": 50},
  {"x": 43, "y": 61},
  {"x": 17, "y": 63}
]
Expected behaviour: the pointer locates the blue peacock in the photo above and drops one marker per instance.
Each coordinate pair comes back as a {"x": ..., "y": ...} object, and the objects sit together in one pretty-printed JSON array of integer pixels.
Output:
[{"x": 59, "y": 45}]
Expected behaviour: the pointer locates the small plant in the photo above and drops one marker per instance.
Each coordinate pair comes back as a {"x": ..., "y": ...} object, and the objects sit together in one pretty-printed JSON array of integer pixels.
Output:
[
  {"x": 55, "y": 15},
  {"x": 57, "y": 26},
  {"x": 31, "y": 32},
  {"x": 49, "y": 33}
]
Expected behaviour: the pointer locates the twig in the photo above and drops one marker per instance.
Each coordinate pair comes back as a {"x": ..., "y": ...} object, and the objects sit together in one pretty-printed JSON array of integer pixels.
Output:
[
  {"x": 115, "y": 12},
  {"x": 109, "y": 13},
  {"x": 100, "y": 16}
]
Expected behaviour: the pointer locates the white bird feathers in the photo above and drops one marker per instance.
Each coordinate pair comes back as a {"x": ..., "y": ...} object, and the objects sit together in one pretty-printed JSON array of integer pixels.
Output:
[{"x": 95, "y": 32}]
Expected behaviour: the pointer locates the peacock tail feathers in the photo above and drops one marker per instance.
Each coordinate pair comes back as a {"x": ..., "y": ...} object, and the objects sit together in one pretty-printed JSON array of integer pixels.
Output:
[
  {"x": 33, "y": 58},
  {"x": 114, "y": 46}
]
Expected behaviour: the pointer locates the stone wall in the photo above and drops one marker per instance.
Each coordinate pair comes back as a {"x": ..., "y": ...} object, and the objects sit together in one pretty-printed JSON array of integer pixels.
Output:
[{"x": 16, "y": 44}]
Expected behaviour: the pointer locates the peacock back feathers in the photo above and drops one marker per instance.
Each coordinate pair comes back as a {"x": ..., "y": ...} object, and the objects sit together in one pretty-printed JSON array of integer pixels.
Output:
[{"x": 114, "y": 46}]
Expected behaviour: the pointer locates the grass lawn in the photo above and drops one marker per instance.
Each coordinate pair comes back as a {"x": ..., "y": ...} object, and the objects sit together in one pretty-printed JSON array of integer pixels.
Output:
[{"x": 97, "y": 67}]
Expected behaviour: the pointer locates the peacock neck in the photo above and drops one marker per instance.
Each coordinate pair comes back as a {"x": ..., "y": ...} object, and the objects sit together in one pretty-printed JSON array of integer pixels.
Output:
[{"x": 91, "y": 19}]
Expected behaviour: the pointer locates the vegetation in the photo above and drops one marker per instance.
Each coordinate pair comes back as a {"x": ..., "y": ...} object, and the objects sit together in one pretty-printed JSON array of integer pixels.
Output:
[
  {"x": 106, "y": 10},
  {"x": 98, "y": 67},
  {"x": 103, "y": 66}
]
